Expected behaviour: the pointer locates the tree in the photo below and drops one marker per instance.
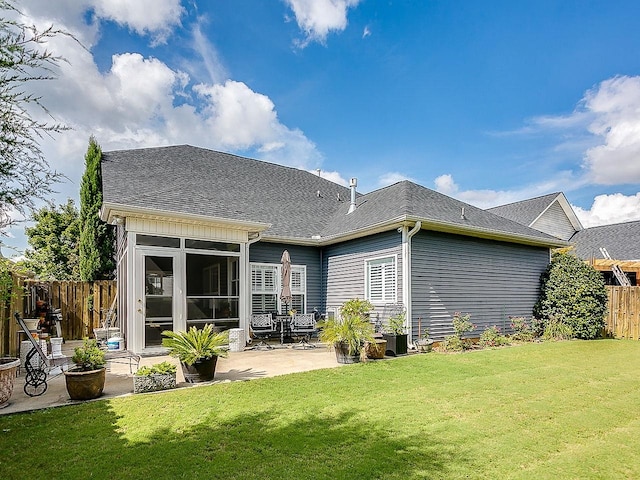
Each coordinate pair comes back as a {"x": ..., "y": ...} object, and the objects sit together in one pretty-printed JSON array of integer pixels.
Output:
[
  {"x": 96, "y": 237},
  {"x": 573, "y": 296},
  {"x": 54, "y": 239},
  {"x": 25, "y": 175}
]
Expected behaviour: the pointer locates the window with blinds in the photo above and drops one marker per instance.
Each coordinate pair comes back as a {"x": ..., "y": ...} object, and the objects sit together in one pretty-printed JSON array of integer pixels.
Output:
[
  {"x": 381, "y": 280},
  {"x": 266, "y": 287}
]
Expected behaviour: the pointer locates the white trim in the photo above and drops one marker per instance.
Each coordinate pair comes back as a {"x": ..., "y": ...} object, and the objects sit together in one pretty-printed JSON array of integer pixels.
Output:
[
  {"x": 568, "y": 211},
  {"x": 407, "y": 299},
  {"x": 367, "y": 279}
]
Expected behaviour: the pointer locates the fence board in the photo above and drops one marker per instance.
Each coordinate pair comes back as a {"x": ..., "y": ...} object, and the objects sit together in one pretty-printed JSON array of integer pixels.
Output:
[
  {"x": 623, "y": 319},
  {"x": 78, "y": 320}
]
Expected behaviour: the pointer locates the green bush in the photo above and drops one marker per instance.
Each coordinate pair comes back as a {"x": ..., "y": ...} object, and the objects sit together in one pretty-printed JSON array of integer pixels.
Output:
[
  {"x": 156, "y": 369},
  {"x": 89, "y": 356},
  {"x": 574, "y": 295},
  {"x": 461, "y": 325},
  {"x": 492, "y": 337},
  {"x": 522, "y": 330}
]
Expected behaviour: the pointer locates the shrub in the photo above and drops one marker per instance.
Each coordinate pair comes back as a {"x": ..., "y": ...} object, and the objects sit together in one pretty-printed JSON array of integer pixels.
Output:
[
  {"x": 89, "y": 356},
  {"x": 557, "y": 330},
  {"x": 574, "y": 295},
  {"x": 491, "y": 337},
  {"x": 461, "y": 325},
  {"x": 522, "y": 331},
  {"x": 156, "y": 369}
]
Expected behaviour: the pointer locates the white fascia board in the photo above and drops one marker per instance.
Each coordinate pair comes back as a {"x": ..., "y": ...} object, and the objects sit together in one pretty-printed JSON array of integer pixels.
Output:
[
  {"x": 568, "y": 211},
  {"x": 111, "y": 210},
  {"x": 406, "y": 220}
]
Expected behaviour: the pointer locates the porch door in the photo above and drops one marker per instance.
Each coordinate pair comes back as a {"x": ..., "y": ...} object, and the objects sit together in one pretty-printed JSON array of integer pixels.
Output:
[{"x": 158, "y": 310}]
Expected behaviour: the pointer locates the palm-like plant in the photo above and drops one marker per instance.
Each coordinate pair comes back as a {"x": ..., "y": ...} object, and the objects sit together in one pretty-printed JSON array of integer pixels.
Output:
[
  {"x": 350, "y": 330},
  {"x": 194, "y": 344}
]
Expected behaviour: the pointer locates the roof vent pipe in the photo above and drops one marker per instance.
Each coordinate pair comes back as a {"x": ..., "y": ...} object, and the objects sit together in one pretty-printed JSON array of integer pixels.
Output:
[{"x": 353, "y": 183}]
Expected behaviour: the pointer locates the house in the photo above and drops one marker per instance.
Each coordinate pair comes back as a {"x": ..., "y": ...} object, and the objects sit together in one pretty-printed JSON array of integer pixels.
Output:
[
  {"x": 554, "y": 215},
  {"x": 200, "y": 235}
]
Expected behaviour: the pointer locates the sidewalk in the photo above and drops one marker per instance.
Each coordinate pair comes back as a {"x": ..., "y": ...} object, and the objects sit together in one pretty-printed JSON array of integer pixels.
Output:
[{"x": 237, "y": 366}]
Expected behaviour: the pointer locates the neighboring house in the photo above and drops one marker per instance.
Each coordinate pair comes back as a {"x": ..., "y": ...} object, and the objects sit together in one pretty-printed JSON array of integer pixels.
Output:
[
  {"x": 554, "y": 215},
  {"x": 201, "y": 234}
]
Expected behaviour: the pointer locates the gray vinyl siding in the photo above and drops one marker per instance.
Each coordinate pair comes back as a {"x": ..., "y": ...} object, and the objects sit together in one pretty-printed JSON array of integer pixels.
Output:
[
  {"x": 263, "y": 252},
  {"x": 554, "y": 222},
  {"x": 488, "y": 279},
  {"x": 344, "y": 266}
]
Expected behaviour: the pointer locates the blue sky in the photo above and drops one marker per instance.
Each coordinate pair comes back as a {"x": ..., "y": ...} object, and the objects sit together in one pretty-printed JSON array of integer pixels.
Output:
[{"x": 489, "y": 102}]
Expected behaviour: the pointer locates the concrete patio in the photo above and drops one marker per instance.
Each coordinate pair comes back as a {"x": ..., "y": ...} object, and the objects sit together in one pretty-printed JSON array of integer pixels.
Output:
[{"x": 246, "y": 365}]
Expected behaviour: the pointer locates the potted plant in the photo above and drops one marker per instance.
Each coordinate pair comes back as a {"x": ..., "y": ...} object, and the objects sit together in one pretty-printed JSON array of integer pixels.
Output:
[
  {"x": 86, "y": 379},
  {"x": 395, "y": 335},
  {"x": 348, "y": 334},
  {"x": 197, "y": 350},
  {"x": 159, "y": 376},
  {"x": 424, "y": 344},
  {"x": 8, "y": 367}
]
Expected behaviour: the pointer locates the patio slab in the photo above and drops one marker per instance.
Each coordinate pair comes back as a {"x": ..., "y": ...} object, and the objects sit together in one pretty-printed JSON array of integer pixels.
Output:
[{"x": 238, "y": 366}]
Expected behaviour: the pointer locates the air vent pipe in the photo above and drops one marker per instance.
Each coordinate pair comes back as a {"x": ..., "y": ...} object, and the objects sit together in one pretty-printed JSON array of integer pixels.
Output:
[{"x": 353, "y": 183}]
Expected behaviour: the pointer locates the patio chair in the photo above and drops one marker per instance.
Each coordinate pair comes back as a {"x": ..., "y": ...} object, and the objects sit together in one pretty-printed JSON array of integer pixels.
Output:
[
  {"x": 303, "y": 326},
  {"x": 263, "y": 328}
]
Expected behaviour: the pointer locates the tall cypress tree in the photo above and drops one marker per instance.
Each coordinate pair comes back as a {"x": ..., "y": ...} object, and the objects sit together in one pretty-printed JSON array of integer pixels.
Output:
[{"x": 96, "y": 237}]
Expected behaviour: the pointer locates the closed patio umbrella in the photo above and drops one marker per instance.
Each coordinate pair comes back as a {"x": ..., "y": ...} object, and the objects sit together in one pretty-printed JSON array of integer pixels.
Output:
[{"x": 285, "y": 294}]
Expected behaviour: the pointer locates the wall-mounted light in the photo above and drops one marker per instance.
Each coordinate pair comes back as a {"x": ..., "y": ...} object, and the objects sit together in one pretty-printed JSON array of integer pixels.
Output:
[{"x": 117, "y": 220}]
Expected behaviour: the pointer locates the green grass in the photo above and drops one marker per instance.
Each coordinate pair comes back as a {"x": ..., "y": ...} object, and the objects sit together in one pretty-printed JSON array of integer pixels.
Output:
[{"x": 568, "y": 410}]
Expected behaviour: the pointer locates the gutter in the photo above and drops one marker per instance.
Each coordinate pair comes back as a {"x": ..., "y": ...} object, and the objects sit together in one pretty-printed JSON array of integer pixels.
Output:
[{"x": 407, "y": 235}]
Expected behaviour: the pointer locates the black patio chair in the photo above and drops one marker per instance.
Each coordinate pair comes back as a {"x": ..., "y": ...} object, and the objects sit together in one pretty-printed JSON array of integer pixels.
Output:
[
  {"x": 303, "y": 326},
  {"x": 263, "y": 328}
]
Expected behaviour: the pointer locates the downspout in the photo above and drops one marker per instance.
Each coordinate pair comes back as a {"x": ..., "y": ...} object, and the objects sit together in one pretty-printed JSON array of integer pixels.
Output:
[
  {"x": 245, "y": 301},
  {"x": 406, "y": 276}
]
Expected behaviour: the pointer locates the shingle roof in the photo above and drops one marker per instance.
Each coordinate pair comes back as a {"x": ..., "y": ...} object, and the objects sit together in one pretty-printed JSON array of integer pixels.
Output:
[
  {"x": 297, "y": 204},
  {"x": 620, "y": 240},
  {"x": 186, "y": 179},
  {"x": 525, "y": 211},
  {"x": 415, "y": 201}
]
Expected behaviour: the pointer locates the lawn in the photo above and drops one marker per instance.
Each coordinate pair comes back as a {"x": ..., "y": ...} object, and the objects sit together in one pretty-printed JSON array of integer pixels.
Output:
[{"x": 566, "y": 410}]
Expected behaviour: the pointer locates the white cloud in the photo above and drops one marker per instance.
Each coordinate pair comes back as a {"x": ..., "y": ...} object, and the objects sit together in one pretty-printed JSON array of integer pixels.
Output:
[
  {"x": 334, "y": 177},
  {"x": 390, "y": 178},
  {"x": 615, "y": 103},
  {"x": 606, "y": 209},
  {"x": 317, "y": 18},
  {"x": 366, "y": 32},
  {"x": 155, "y": 17}
]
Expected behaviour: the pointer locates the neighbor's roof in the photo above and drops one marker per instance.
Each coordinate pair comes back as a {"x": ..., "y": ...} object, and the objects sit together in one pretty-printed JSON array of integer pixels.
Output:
[
  {"x": 620, "y": 240},
  {"x": 525, "y": 211},
  {"x": 298, "y": 205}
]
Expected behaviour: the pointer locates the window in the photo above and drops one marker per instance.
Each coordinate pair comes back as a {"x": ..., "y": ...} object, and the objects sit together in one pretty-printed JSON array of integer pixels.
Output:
[
  {"x": 266, "y": 287},
  {"x": 381, "y": 280}
]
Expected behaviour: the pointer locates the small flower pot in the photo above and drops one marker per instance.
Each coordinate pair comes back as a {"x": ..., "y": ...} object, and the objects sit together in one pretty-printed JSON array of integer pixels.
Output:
[{"x": 424, "y": 345}]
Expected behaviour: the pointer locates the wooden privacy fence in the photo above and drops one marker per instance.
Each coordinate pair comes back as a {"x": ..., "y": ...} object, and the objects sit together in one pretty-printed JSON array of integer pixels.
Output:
[
  {"x": 623, "y": 319},
  {"x": 84, "y": 307}
]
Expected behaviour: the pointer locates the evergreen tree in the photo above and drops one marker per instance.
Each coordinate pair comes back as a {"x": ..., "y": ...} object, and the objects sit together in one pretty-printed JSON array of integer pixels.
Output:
[
  {"x": 96, "y": 237},
  {"x": 54, "y": 239}
]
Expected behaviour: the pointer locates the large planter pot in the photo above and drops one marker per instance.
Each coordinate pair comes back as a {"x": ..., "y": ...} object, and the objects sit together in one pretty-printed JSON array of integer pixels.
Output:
[
  {"x": 201, "y": 371},
  {"x": 375, "y": 350},
  {"x": 396, "y": 344},
  {"x": 85, "y": 385},
  {"x": 154, "y": 382},
  {"x": 8, "y": 367},
  {"x": 343, "y": 355}
]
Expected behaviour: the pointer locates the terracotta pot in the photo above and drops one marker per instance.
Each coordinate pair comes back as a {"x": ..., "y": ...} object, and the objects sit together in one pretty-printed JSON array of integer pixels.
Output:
[
  {"x": 201, "y": 371},
  {"x": 376, "y": 349},
  {"x": 85, "y": 385},
  {"x": 343, "y": 355},
  {"x": 8, "y": 367}
]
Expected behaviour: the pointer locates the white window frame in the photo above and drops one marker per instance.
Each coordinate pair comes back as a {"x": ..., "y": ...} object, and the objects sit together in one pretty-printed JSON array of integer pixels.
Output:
[
  {"x": 297, "y": 287},
  {"x": 389, "y": 293}
]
